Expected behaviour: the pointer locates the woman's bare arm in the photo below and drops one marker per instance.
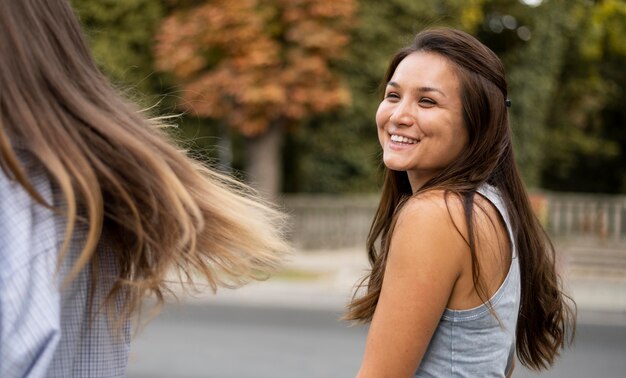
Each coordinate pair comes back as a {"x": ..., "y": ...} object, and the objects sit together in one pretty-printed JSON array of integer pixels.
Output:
[{"x": 424, "y": 262}]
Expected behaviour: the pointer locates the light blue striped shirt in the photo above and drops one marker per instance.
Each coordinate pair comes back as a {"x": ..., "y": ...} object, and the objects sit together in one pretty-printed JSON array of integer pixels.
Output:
[{"x": 46, "y": 331}]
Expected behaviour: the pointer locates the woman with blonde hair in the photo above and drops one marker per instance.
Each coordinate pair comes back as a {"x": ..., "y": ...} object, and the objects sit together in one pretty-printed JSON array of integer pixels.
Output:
[
  {"x": 464, "y": 276},
  {"x": 97, "y": 208}
]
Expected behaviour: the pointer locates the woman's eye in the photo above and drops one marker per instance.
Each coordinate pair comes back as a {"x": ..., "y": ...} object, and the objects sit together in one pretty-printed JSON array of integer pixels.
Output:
[
  {"x": 392, "y": 95},
  {"x": 427, "y": 101}
]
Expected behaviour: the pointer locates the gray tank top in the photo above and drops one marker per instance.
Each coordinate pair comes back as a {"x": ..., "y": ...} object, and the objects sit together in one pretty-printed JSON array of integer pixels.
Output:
[{"x": 473, "y": 343}]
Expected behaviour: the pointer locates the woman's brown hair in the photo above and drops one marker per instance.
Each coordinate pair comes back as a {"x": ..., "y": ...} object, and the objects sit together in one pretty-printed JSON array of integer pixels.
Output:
[
  {"x": 544, "y": 315},
  {"x": 118, "y": 173}
]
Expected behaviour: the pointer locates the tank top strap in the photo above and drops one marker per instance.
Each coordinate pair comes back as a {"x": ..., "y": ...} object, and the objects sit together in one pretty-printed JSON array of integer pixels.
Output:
[{"x": 492, "y": 194}]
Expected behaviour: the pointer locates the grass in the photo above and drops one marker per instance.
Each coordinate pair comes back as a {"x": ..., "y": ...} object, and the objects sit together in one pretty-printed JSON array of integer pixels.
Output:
[{"x": 297, "y": 275}]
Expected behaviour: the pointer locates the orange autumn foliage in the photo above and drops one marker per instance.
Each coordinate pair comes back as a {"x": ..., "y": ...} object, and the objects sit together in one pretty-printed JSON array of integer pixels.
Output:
[{"x": 251, "y": 62}]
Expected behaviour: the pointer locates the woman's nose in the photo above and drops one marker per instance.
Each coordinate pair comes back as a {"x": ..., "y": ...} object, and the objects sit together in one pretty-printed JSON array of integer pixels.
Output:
[{"x": 402, "y": 115}]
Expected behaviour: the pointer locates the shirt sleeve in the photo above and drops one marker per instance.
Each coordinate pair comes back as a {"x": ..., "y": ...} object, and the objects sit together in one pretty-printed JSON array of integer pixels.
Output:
[{"x": 29, "y": 295}]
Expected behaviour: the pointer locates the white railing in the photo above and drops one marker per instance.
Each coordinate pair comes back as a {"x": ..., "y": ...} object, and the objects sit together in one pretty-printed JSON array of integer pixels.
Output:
[
  {"x": 584, "y": 216},
  {"x": 325, "y": 221},
  {"x": 328, "y": 222}
]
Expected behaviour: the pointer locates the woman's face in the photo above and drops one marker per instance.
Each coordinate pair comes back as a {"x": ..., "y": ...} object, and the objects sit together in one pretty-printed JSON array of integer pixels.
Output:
[{"x": 420, "y": 122}]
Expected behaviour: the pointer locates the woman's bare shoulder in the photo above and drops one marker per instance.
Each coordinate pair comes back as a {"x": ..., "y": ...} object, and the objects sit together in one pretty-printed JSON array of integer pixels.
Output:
[
  {"x": 430, "y": 231},
  {"x": 438, "y": 211}
]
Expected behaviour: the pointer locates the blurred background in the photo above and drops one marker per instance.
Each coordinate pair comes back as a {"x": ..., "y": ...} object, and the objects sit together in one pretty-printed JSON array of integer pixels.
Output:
[{"x": 282, "y": 94}]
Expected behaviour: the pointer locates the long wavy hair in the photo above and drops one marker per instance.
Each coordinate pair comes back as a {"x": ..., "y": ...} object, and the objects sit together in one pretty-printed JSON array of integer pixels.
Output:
[
  {"x": 118, "y": 173},
  {"x": 545, "y": 317}
]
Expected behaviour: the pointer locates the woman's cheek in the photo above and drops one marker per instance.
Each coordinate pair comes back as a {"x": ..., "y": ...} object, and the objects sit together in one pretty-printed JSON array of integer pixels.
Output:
[{"x": 383, "y": 113}]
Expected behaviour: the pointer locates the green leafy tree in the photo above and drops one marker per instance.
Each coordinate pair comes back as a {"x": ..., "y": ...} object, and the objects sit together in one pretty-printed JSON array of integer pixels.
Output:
[
  {"x": 121, "y": 35},
  {"x": 531, "y": 42},
  {"x": 587, "y": 146}
]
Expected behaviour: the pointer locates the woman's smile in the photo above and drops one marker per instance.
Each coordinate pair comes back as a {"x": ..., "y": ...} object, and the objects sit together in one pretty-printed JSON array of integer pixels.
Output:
[
  {"x": 402, "y": 139},
  {"x": 399, "y": 142}
]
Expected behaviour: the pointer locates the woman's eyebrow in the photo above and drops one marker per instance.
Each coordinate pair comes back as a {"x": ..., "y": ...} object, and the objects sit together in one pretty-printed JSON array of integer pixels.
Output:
[
  {"x": 431, "y": 89},
  {"x": 420, "y": 89}
]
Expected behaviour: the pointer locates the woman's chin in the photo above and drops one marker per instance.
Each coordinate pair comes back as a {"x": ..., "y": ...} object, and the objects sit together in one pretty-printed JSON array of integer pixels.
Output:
[{"x": 395, "y": 165}]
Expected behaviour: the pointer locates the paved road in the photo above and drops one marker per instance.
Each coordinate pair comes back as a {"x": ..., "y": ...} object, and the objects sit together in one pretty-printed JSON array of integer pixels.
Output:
[
  {"x": 232, "y": 341},
  {"x": 599, "y": 351}
]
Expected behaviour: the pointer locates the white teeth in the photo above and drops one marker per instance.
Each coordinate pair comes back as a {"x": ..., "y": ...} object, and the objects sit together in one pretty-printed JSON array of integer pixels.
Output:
[{"x": 402, "y": 139}]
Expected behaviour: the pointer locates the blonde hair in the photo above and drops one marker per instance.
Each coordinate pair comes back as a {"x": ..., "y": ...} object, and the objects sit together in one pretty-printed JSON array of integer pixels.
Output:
[{"x": 117, "y": 170}]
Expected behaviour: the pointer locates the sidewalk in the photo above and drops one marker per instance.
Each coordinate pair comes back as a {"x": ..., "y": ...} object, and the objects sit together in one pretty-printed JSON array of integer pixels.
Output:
[
  {"x": 325, "y": 279},
  {"x": 312, "y": 279}
]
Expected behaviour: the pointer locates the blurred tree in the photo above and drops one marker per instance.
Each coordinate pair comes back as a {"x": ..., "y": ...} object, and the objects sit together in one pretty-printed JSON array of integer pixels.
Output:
[
  {"x": 586, "y": 125},
  {"x": 531, "y": 42},
  {"x": 565, "y": 63},
  {"x": 266, "y": 63},
  {"x": 120, "y": 35},
  {"x": 260, "y": 66}
]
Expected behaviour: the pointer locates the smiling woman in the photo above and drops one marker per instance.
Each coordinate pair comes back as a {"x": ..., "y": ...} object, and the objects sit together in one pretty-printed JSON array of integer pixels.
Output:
[
  {"x": 420, "y": 121},
  {"x": 464, "y": 275}
]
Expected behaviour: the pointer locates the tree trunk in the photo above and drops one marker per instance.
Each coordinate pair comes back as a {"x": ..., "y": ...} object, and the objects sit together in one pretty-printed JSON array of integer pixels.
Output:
[
  {"x": 224, "y": 149},
  {"x": 264, "y": 170}
]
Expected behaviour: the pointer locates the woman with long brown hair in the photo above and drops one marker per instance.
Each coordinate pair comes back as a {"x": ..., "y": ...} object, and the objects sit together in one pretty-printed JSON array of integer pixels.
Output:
[
  {"x": 464, "y": 275},
  {"x": 98, "y": 210}
]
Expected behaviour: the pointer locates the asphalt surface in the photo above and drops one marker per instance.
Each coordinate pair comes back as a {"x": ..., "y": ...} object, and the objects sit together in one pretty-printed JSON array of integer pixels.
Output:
[
  {"x": 221, "y": 340},
  {"x": 225, "y": 341},
  {"x": 288, "y": 327}
]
